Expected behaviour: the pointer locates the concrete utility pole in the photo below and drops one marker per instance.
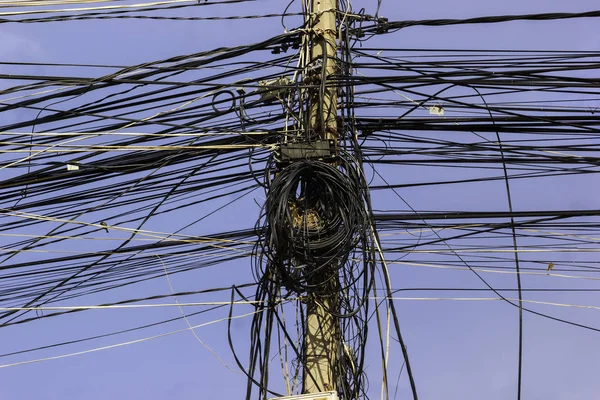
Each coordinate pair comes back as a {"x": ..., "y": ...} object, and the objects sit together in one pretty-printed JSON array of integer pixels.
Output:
[
  {"x": 324, "y": 48},
  {"x": 321, "y": 327}
]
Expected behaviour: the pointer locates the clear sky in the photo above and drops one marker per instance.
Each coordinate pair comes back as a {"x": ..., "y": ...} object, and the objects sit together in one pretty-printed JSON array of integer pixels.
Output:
[{"x": 459, "y": 349}]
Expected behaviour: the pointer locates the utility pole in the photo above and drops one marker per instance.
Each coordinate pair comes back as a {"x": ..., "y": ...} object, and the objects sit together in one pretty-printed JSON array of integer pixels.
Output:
[
  {"x": 321, "y": 338},
  {"x": 322, "y": 22}
]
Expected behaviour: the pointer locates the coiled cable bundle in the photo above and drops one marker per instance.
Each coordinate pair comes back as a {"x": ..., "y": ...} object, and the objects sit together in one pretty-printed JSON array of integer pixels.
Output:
[{"x": 314, "y": 216}]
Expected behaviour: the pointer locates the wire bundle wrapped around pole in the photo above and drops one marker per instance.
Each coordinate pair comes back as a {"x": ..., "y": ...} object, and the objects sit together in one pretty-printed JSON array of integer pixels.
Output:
[
  {"x": 314, "y": 242},
  {"x": 314, "y": 216}
]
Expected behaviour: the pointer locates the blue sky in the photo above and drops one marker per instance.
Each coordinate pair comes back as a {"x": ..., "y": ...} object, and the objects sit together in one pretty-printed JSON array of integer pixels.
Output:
[{"x": 459, "y": 349}]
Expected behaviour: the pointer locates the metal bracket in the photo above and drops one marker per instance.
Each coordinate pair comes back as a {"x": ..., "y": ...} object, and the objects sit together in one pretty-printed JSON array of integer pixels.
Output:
[{"x": 274, "y": 89}]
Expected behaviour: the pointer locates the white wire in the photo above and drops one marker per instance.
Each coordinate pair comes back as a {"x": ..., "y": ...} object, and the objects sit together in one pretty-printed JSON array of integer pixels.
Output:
[
  {"x": 36, "y": 93},
  {"x": 166, "y": 239},
  {"x": 185, "y": 104},
  {"x": 188, "y": 322},
  {"x": 191, "y": 135},
  {"x": 128, "y": 306},
  {"x": 126, "y": 343},
  {"x": 139, "y": 5},
  {"x": 154, "y": 234},
  {"x": 38, "y": 3},
  {"x": 98, "y": 148},
  {"x": 415, "y": 264},
  {"x": 554, "y": 250},
  {"x": 384, "y": 387}
]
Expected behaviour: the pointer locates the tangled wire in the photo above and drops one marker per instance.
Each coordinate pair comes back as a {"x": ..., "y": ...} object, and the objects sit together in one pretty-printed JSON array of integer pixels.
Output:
[{"x": 314, "y": 216}]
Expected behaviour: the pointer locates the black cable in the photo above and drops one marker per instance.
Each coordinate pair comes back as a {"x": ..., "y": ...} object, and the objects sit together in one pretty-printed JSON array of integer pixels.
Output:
[{"x": 515, "y": 247}]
